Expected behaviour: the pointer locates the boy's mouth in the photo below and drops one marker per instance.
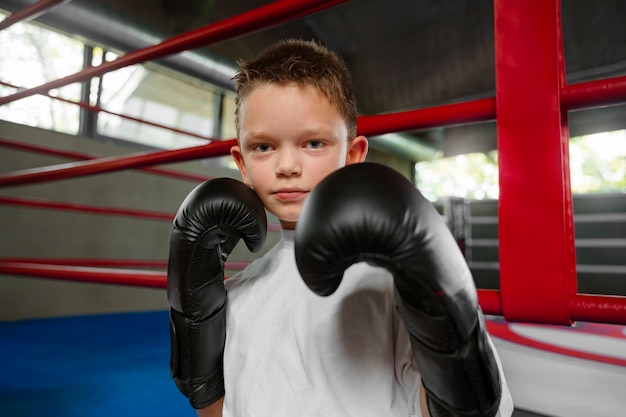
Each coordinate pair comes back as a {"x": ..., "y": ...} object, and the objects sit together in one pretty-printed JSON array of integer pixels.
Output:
[{"x": 289, "y": 195}]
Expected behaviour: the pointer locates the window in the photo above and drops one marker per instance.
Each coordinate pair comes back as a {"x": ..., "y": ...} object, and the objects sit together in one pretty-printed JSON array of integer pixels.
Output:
[
  {"x": 142, "y": 104},
  {"x": 32, "y": 55},
  {"x": 179, "y": 113},
  {"x": 597, "y": 165},
  {"x": 472, "y": 176}
]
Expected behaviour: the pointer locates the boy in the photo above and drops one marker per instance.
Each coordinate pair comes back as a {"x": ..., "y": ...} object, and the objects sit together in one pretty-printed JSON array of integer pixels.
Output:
[{"x": 289, "y": 352}]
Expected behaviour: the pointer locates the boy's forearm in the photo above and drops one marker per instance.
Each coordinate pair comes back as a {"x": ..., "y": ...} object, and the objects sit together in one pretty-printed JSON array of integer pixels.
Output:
[
  {"x": 214, "y": 410},
  {"x": 423, "y": 402}
]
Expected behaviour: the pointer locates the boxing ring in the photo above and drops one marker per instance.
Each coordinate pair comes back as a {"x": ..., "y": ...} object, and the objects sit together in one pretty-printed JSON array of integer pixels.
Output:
[{"x": 543, "y": 291}]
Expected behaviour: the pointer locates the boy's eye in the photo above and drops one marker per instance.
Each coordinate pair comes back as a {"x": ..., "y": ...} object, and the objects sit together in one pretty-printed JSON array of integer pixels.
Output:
[
  {"x": 262, "y": 147},
  {"x": 314, "y": 144}
]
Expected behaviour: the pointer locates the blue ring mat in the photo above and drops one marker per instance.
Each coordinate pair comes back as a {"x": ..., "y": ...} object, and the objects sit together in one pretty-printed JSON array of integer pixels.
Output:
[{"x": 89, "y": 366}]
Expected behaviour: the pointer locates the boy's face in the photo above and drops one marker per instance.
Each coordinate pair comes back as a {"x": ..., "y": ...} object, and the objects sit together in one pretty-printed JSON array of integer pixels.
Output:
[{"x": 290, "y": 138}]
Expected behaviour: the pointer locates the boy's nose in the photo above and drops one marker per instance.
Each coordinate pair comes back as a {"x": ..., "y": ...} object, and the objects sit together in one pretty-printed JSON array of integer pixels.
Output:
[{"x": 288, "y": 163}]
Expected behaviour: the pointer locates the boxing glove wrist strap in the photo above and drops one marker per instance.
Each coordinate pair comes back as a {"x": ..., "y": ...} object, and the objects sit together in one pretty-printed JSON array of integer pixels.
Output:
[
  {"x": 461, "y": 377},
  {"x": 197, "y": 356}
]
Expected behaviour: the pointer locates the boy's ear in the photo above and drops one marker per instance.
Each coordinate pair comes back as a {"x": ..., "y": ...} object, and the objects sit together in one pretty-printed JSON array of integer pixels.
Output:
[
  {"x": 357, "y": 150},
  {"x": 235, "y": 151}
]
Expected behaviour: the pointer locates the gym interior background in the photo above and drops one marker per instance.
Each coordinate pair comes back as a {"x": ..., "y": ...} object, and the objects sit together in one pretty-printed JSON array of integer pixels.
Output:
[{"x": 403, "y": 55}]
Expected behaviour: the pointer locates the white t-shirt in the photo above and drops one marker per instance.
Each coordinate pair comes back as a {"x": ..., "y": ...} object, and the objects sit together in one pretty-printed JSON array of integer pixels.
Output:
[{"x": 291, "y": 353}]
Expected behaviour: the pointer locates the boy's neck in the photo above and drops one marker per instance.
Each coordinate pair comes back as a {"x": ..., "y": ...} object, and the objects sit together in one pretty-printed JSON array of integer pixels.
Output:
[{"x": 284, "y": 225}]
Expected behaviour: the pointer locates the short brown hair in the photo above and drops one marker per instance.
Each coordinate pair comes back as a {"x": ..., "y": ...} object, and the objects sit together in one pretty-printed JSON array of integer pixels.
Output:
[{"x": 302, "y": 62}]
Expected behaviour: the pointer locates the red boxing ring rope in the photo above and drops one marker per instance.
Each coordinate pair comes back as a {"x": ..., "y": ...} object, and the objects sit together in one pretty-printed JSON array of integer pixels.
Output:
[
  {"x": 116, "y": 263},
  {"x": 86, "y": 208},
  {"x": 82, "y": 271},
  {"x": 83, "y": 156},
  {"x": 540, "y": 291},
  {"x": 129, "y": 277},
  {"x": 102, "y": 165},
  {"x": 591, "y": 94},
  {"x": 31, "y": 12}
]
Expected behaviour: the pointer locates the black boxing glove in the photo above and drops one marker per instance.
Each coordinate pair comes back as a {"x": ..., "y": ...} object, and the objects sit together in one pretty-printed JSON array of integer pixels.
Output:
[
  {"x": 208, "y": 225},
  {"x": 368, "y": 212}
]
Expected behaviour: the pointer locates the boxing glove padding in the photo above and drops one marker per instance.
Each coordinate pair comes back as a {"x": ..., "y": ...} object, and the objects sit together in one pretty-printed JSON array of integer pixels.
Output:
[
  {"x": 208, "y": 225},
  {"x": 368, "y": 212}
]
